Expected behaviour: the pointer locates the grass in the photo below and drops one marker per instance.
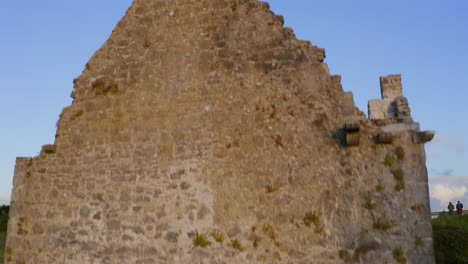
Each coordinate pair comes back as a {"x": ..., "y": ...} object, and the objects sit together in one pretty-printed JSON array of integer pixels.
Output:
[
  {"x": 379, "y": 187},
  {"x": 311, "y": 218},
  {"x": 200, "y": 240},
  {"x": 398, "y": 175},
  {"x": 370, "y": 205},
  {"x": 417, "y": 207},
  {"x": 271, "y": 188},
  {"x": 450, "y": 239},
  {"x": 389, "y": 160},
  {"x": 234, "y": 6},
  {"x": 100, "y": 88},
  {"x": 383, "y": 224},
  {"x": 400, "y": 152},
  {"x": 418, "y": 241},
  {"x": 399, "y": 186},
  {"x": 399, "y": 255},
  {"x": 237, "y": 245},
  {"x": 218, "y": 237}
]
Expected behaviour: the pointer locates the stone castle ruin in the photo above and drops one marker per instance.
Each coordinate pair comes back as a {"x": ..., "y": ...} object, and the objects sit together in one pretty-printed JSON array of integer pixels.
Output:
[{"x": 205, "y": 132}]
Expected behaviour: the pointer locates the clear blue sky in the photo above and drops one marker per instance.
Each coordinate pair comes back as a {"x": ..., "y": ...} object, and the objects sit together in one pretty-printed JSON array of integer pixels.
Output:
[{"x": 45, "y": 44}]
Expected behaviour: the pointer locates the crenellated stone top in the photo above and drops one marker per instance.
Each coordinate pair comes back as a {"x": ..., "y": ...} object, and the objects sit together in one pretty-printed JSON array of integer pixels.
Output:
[{"x": 393, "y": 105}]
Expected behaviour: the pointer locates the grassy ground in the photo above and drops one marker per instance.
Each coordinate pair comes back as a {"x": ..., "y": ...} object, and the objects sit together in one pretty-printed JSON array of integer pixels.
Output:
[{"x": 451, "y": 239}]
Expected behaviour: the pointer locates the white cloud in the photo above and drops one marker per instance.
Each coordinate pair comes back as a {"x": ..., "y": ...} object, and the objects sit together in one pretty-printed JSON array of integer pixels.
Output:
[
  {"x": 4, "y": 200},
  {"x": 446, "y": 194},
  {"x": 447, "y": 189}
]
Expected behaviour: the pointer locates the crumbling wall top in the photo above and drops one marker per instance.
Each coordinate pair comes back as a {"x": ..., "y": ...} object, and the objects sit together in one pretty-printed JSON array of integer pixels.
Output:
[{"x": 390, "y": 86}]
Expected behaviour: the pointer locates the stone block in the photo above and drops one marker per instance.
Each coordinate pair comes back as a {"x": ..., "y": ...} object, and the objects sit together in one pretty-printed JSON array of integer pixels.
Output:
[
  {"x": 400, "y": 127},
  {"x": 390, "y": 86},
  {"x": 351, "y": 125},
  {"x": 48, "y": 149},
  {"x": 381, "y": 109},
  {"x": 352, "y": 139},
  {"x": 423, "y": 137},
  {"x": 385, "y": 138},
  {"x": 402, "y": 109},
  {"x": 348, "y": 104}
]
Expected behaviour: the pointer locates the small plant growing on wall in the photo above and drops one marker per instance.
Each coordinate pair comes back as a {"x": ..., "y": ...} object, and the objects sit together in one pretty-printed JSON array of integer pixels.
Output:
[
  {"x": 399, "y": 255},
  {"x": 313, "y": 218},
  {"x": 271, "y": 188},
  {"x": 400, "y": 152},
  {"x": 234, "y": 6},
  {"x": 389, "y": 160},
  {"x": 200, "y": 240},
  {"x": 383, "y": 224},
  {"x": 379, "y": 187},
  {"x": 419, "y": 242},
  {"x": 399, "y": 175},
  {"x": 237, "y": 245},
  {"x": 218, "y": 236},
  {"x": 399, "y": 186},
  {"x": 370, "y": 205}
]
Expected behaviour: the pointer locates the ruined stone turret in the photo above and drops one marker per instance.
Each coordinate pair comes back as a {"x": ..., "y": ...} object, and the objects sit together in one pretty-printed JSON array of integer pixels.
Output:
[{"x": 206, "y": 132}]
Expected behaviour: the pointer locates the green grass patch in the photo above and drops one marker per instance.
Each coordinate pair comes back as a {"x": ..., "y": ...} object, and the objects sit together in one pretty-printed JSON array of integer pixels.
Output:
[
  {"x": 451, "y": 238},
  {"x": 398, "y": 175},
  {"x": 418, "y": 241},
  {"x": 379, "y": 187},
  {"x": 399, "y": 255},
  {"x": 370, "y": 205},
  {"x": 399, "y": 186},
  {"x": 200, "y": 240},
  {"x": 389, "y": 160},
  {"x": 271, "y": 188},
  {"x": 311, "y": 218},
  {"x": 383, "y": 224},
  {"x": 400, "y": 152},
  {"x": 236, "y": 244},
  {"x": 218, "y": 237}
]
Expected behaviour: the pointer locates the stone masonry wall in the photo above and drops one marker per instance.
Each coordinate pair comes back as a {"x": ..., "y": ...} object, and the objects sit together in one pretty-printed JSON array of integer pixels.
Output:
[{"x": 207, "y": 123}]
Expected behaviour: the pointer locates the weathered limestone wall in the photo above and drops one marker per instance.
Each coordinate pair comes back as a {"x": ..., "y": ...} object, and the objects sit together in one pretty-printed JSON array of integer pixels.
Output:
[{"x": 210, "y": 117}]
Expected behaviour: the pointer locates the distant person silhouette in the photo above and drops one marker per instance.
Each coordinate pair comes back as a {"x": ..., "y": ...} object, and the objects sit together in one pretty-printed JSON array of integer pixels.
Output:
[
  {"x": 459, "y": 208},
  {"x": 450, "y": 208}
]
